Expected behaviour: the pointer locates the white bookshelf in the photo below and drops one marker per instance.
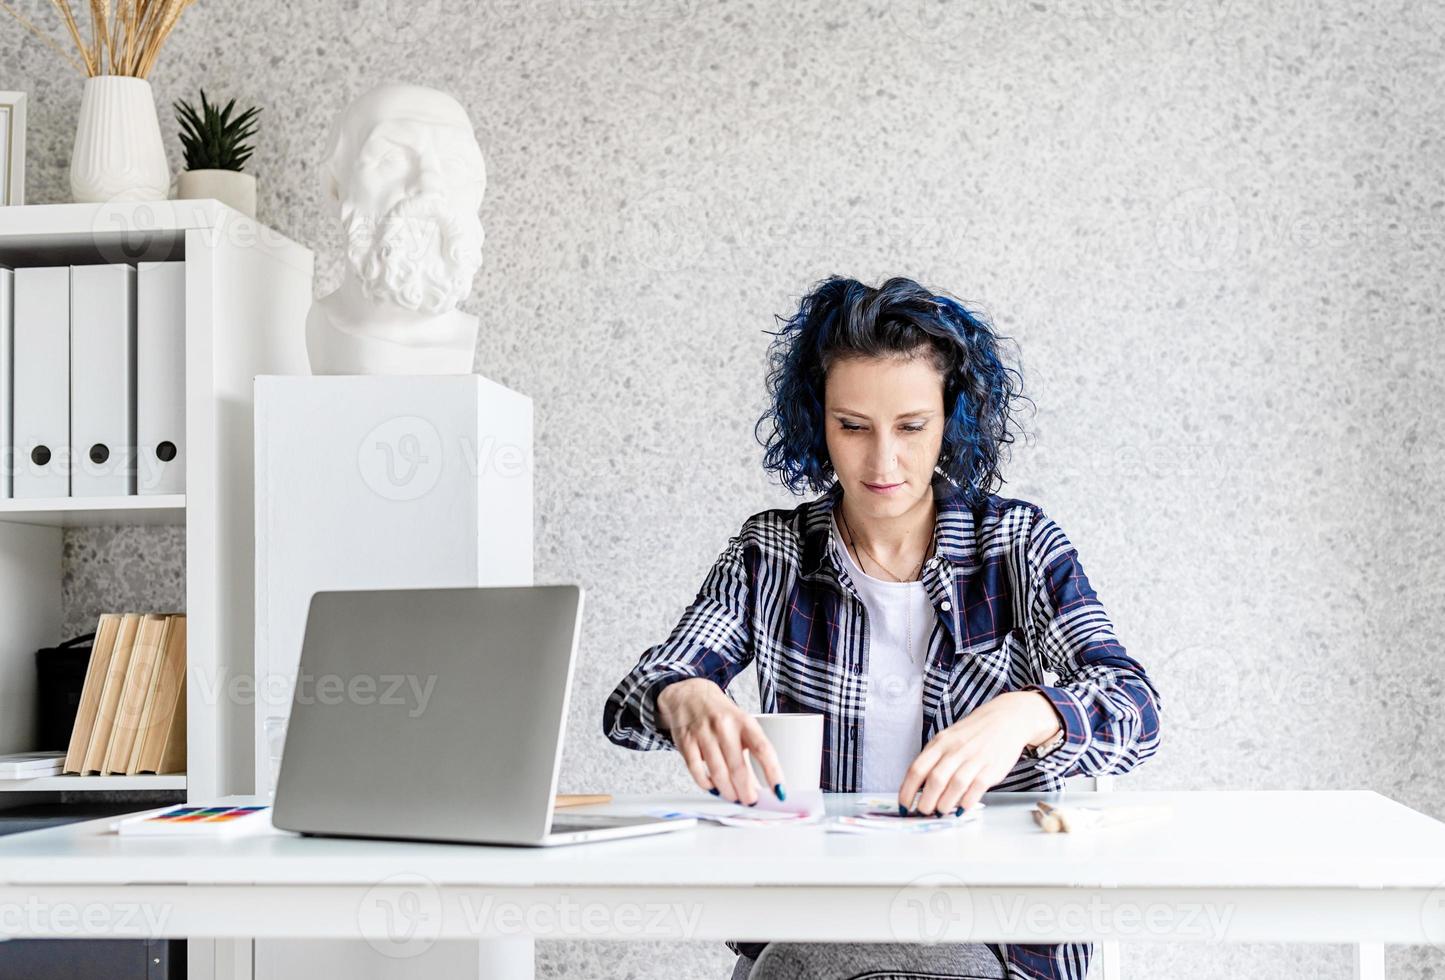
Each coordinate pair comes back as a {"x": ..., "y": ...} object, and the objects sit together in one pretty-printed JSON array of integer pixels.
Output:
[
  {"x": 248, "y": 289},
  {"x": 72, "y": 782},
  {"x": 167, "y": 508}
]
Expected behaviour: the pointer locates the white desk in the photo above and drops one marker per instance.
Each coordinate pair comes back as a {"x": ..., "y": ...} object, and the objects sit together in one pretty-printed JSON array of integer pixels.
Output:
[{"x": 1334, "y": 867}]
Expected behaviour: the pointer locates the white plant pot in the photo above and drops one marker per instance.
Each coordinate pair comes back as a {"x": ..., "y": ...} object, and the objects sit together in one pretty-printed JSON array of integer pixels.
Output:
[
  {"x": 230, "y": 187},
  {"x": 118, "y": 153}
]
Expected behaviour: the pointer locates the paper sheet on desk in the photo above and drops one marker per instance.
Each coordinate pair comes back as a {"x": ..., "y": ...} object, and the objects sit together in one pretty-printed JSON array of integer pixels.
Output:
[
  {"x": 803, "y": 808},
  {"x": 735, "y": 815}
]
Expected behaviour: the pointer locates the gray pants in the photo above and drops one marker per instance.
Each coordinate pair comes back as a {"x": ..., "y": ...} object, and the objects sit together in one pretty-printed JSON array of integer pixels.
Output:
[{"x": 871, "y": 961}]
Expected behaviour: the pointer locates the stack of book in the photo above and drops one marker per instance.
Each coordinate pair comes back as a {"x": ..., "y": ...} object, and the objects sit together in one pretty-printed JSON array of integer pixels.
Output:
[
  {"x": 132, "y": 715},
  {"x": 29, "y": 765}
]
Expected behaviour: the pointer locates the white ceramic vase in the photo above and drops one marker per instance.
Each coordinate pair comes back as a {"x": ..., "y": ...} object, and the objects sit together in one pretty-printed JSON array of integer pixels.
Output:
[
  {"x": 118, "y": 153},
  {"x": 230, "y": 187}
]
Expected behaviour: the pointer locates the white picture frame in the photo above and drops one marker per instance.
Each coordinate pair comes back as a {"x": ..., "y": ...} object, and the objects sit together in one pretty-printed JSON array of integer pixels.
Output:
[{"x": 12, "y": 148}]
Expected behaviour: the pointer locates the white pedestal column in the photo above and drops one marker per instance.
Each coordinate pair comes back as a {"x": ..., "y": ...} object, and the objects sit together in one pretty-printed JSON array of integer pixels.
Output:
[{"x": 370, "y": 481}]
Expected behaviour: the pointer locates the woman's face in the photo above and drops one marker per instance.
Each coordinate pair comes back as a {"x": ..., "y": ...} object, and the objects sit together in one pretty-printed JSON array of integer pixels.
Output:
[{"x": 884, "y": 423}]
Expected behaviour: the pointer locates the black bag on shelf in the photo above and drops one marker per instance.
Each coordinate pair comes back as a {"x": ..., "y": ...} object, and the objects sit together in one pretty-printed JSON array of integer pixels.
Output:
[
  {"x": 94, "y": 959},
  {"x": 59, "y": 680}
]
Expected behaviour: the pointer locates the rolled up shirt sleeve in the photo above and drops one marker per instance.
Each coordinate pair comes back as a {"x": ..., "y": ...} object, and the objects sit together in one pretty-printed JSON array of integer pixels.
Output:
[
  {"x": 713, "y": 639},
  {"x": 1108, "y": 704}
]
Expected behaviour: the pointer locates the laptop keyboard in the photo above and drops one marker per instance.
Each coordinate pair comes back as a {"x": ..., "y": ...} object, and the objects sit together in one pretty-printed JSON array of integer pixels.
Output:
[
  {"x": 571, "y": 828},
  {"x": 564, "y": 827}
]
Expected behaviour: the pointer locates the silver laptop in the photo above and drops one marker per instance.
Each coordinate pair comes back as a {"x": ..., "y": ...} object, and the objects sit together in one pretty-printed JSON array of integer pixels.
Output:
[{"x": 438, "y": 714}]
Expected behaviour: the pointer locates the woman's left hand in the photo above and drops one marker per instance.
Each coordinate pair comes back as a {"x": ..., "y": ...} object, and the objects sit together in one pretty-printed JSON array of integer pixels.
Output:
[{"x": 960, "y": 763}]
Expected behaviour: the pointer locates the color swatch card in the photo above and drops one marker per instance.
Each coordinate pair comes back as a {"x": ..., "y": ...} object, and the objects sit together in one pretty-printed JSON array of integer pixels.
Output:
[
  {"x": 199, "y": 821},
  {"x": 880, "y": 815}
]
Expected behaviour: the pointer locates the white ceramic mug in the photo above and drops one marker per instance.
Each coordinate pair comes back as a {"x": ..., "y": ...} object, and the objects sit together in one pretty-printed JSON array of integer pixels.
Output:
[{"x": 797, "y": 740}]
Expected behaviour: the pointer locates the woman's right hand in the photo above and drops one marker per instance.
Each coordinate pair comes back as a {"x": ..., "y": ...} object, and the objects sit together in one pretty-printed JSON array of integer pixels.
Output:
[{"x": 711, "y": 731}]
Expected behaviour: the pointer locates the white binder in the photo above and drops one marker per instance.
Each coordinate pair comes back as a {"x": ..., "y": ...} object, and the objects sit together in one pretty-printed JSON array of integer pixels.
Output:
[
  {"x": 102, "y": 380},
  {"x": 161, "y": 377},
  {"x": 41, "y": 326},
  {"x": 7, "y": 433}
]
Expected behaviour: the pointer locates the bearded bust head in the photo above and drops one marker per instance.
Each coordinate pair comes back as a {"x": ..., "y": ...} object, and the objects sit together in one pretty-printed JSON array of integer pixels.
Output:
[{"x": 404, "y": 174}]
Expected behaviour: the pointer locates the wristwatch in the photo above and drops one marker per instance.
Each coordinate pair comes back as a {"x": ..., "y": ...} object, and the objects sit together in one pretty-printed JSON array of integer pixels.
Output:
[{"x": 1043, "y": 749}]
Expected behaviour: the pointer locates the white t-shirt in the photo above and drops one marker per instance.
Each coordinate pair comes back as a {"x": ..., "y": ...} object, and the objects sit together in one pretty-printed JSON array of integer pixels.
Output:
[{"x": 893, "y": 716}]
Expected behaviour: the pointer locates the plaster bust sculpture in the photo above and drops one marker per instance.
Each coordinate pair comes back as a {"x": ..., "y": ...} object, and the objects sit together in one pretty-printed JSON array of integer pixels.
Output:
[{"x": 405, "y": 176}]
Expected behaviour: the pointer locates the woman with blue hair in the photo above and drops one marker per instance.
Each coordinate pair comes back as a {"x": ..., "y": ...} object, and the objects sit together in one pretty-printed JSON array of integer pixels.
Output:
[{"x": 948, "y": 636}]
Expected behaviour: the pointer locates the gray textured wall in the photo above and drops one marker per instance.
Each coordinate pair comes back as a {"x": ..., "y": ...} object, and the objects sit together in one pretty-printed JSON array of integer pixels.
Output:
[{"x": 1214, "y": 227}]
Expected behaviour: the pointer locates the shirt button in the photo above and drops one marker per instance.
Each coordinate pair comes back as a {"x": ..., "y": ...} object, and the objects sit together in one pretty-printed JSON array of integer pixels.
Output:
[{"x": 945, "y": 605}]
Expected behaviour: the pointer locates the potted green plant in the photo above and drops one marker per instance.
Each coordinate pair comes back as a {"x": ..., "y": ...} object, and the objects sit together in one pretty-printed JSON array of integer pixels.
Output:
[{"x": 216, "y": 147}]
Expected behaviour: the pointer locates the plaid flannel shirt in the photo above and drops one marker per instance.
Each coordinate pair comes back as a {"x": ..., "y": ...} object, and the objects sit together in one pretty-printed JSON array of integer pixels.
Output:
[{"x": 1014, "y": 612}]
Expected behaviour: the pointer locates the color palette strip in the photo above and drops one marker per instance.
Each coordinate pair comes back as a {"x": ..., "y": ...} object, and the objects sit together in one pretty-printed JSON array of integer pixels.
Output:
[{"x": 203, "y": 814}]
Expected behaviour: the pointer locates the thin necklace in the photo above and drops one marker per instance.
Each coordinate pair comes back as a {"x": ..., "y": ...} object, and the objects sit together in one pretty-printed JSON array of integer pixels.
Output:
[
  {"x": 857, "y": 546},
  {"x": 907, "y": 606}
]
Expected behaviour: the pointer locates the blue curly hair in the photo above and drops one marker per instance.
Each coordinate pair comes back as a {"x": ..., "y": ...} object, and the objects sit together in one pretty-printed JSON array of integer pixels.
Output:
[{"x": 843, "y": 318}]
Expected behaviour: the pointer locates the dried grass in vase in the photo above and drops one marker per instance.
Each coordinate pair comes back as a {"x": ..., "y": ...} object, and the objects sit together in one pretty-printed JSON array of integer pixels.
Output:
[{"x": 123, "y": 37}]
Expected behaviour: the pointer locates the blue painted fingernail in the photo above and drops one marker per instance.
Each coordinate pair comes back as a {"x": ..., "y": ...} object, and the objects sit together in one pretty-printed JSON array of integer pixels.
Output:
[
  {"x": 714, "y": 791},
  {"x": 753, "y": 803},
  {"x": 958, "y": 812},
  {"x": 902, "y": 810},
  {"x": 779, "y": 790}
]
